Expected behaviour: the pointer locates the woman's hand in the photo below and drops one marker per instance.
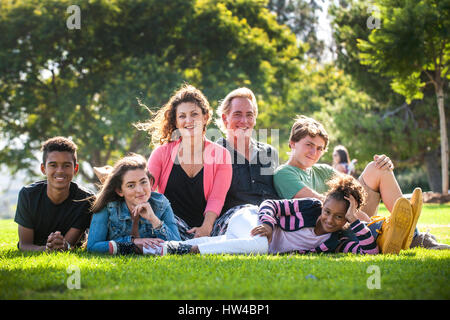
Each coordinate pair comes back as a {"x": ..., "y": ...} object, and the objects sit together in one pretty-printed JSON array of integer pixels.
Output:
[
  {"x": 205, "y": 229},
  {"x": 263, "y": 230},
  {"x": 148, "y": 242},
  {"x": 351, "y": 214},
  {"x": 202, "y": 231}
]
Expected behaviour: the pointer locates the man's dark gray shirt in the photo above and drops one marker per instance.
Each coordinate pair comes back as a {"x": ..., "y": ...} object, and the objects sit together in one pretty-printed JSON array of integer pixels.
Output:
[{"x": 252, "y": 181}]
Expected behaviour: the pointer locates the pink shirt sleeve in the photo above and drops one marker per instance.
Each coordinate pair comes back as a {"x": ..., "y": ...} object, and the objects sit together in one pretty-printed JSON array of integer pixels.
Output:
[
  {"x": 155, "y": 168},
  {"x": 221, "y": 181}
]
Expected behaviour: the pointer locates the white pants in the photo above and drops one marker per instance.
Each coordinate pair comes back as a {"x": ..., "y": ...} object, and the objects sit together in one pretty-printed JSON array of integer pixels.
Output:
[{"x": 237, "y": 238}]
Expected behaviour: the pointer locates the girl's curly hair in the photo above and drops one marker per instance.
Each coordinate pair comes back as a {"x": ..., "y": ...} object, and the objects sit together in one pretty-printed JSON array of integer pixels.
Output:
[{"x": 343, "y": 186}]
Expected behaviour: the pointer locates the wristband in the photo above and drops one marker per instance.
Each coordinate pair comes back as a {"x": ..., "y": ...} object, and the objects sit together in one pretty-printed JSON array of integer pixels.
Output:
[
  {"x": 159, "y": 226},
  {"x": 68, "y": 244}
]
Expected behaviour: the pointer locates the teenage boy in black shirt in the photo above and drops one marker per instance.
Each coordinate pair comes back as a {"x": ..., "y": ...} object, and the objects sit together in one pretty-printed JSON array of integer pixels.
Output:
[{"x": 49, "y": 213}]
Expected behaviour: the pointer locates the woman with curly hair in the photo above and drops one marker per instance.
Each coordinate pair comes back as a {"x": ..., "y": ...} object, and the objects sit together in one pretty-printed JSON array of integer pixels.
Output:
[{"x": 191, "y": 171}]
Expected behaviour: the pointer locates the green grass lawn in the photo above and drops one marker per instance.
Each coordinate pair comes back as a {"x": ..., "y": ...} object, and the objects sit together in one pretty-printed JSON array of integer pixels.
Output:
[{"x": 413, "y": 274}]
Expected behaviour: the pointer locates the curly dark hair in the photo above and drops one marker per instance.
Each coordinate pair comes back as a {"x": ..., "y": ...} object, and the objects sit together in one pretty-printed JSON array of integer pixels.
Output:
[{"x": 343, "y": 186}]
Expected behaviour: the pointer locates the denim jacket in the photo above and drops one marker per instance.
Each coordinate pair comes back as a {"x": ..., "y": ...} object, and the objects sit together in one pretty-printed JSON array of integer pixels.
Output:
[{"x": 114, "y": 223}]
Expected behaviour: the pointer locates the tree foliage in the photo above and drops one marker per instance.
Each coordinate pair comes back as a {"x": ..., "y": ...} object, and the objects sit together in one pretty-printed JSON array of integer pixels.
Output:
[
  {"x": 412, "y": 47},
  {"x": 85, "y": 83},
  {"x": 301, "y": 17},
  {"x": 410, "y": 127}
]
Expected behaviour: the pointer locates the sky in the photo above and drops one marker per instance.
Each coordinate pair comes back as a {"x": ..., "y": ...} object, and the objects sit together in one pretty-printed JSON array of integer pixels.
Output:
[{"x": 324, "y": 30}]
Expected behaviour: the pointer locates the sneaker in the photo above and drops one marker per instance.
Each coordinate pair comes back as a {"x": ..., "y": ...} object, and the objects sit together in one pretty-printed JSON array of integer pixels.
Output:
[
  {"x": 122, "y": 248},
  {"x": 177, "y": 247},
  {"x": 396, "y": 227},
  {"x": 112, "y": 248},
  {"x": 416, "y": 204},
  {"x": 158, "y": 251},
  {"x": 428, "y": 241}
]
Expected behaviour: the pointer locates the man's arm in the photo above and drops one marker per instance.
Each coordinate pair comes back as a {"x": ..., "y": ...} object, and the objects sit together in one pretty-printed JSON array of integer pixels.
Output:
[
  {"x": 57, "y": 241},
  {"x": 24, "y": 219},
  {"x": 26, "y": 236},
  {"x": 306, "y": 192},
  {"x": 72, "y": 236}
]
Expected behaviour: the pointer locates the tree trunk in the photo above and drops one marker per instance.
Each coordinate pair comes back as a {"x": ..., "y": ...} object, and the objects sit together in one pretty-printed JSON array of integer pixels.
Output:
[
  {"x": 433, "y": 171},
  {"x": 444, "y": 137}
]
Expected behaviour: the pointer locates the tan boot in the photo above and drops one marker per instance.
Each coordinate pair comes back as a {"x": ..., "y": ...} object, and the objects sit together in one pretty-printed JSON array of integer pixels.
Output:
[
  {"x": 416, "y": 204},
  {"x": 396, "y": 228}
]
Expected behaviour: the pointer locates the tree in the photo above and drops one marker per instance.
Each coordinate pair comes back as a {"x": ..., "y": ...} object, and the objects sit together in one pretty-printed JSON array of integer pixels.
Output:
[
  {"x": 412, "y": 47},
  {"x": 349, "y": 23},
  {"x": 84, "y": 83},
  {"x": 301, "y": 17},
  {"x": 417, "y": 142}
]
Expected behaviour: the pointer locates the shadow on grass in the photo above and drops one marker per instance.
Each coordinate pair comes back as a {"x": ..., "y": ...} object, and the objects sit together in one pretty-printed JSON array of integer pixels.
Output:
[
  {"x": 34, "y": 275},
  {"x": 81, "y": 253}
]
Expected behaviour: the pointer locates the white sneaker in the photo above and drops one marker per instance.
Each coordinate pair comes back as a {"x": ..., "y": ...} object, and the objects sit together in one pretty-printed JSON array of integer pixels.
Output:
[{"x": 158, "y": 251}]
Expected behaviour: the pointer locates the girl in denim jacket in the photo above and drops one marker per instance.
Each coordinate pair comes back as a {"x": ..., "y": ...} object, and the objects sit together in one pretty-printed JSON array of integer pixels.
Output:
[{"x": 128, "y": 216}]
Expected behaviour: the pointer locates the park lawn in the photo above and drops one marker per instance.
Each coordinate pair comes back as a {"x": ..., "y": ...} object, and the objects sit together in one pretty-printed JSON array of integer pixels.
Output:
[{"x": 413, "y": 274}]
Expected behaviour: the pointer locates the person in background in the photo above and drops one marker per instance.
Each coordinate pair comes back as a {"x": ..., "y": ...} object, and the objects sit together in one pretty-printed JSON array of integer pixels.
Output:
[
  {"x": 51, "y": 213},
  {"x": 341, "y": 160},
  {"x": 128, "y": 217}
]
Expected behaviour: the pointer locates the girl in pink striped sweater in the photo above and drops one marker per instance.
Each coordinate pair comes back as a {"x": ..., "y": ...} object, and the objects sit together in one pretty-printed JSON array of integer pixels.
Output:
[{"x": 313, "y": 227}]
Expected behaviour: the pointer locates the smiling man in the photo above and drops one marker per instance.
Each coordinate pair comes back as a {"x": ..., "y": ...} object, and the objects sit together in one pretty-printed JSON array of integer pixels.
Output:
[
  {"x": 253, "y": 161},
  {"x": 53, "y": 214}
]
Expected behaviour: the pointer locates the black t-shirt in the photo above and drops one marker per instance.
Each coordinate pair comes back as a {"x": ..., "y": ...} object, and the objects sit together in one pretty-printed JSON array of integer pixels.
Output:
[
  {"x": 186, "y": 195},
  {"x": 36, "y": 211}
]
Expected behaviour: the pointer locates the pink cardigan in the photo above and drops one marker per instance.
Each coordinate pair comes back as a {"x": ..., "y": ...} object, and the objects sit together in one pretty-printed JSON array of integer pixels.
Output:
[{"x": 217, "y": 171}]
